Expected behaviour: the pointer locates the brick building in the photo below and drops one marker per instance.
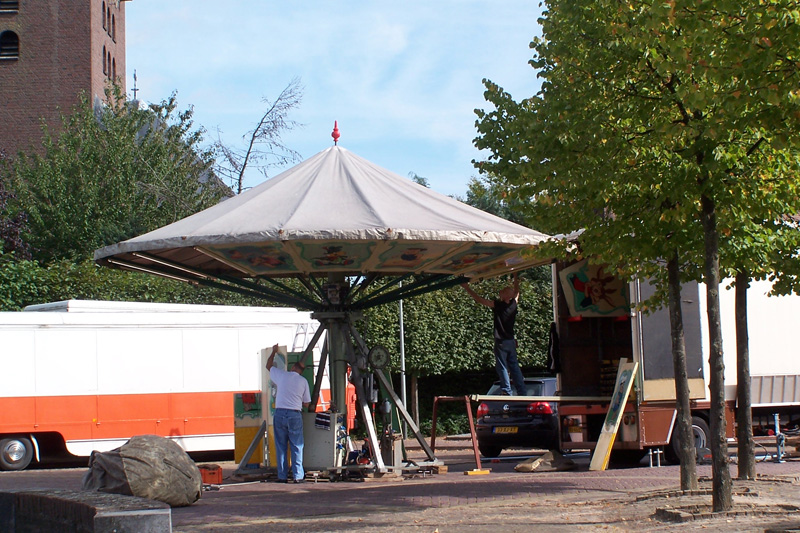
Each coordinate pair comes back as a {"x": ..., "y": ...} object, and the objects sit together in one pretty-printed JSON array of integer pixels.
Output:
[{"x": 50, "y": 52}]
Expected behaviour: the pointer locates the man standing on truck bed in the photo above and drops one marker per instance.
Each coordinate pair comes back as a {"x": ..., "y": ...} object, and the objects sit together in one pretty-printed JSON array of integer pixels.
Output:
[
  {"x": 504, "y": 311},
  {"x": 292, "y": 397}
]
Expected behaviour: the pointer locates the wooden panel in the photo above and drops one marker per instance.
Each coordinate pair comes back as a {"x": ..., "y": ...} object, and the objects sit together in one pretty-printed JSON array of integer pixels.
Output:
[
  {"x": 243, "y": 438},
  {"x": 664, "y": 389},
  {"x": 602, "y": 452}
]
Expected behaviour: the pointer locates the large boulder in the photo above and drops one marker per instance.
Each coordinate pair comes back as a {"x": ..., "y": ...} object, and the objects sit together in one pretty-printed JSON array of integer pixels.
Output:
[{"x": 147, "y": 466}]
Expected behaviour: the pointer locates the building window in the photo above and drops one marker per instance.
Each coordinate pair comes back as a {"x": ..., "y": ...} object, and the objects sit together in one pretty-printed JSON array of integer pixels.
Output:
[
  {"x": 9, "y": 5},
  {"x": 114, "y": 69},
  {"x": 114, "y": 28},
  {"x": 105, "y": 66},
  {"x": 105, "y": 26},
  {"x": 9, "y": 45},
  {"x": 109, "y": 64}
]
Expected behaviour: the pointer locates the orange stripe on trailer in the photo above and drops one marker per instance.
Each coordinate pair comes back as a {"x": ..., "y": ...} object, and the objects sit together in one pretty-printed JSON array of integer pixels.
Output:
[{"x": 119, "y": 416}]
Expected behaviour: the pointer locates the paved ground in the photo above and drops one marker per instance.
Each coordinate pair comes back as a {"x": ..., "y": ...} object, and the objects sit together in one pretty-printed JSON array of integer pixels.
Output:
[{"x": 503, "y": 499}]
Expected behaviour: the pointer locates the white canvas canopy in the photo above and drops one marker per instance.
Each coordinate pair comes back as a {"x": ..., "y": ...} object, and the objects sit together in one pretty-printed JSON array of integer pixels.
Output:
[{"x": 333, "y": 213}]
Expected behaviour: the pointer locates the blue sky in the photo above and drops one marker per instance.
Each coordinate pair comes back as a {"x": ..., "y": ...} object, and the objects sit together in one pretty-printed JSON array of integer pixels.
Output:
[{"x": 402, "y": 79}]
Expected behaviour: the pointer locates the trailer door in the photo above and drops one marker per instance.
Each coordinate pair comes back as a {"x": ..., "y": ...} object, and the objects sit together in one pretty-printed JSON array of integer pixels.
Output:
[{"x": 652, "y": 343}]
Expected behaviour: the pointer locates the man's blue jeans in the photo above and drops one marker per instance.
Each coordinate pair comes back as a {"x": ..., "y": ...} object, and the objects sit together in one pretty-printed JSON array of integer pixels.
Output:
[
  {"x": 288, "y": 427},
  {"x": 507, "y": 366}
]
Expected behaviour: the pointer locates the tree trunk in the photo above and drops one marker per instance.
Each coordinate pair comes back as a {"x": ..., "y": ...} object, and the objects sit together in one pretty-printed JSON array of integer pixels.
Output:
[
  {"x": 683, "y": 426},
  {"x": 721, "y": 486},
  {"x": 744, "y": 414}
]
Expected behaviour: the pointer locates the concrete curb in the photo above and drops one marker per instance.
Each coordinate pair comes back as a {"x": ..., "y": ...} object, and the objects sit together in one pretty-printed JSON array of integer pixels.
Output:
[{"x": 35, "y": 511}]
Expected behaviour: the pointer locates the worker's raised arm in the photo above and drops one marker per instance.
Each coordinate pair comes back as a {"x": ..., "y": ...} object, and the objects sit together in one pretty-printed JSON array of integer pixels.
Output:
[
  {"x": 516, "y": 287},
  {"x": 271, "y": 360},
  {"x": 481, "y": 300}
]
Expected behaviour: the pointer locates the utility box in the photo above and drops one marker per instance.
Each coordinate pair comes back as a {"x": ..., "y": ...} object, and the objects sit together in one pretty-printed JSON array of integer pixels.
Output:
[
  {"x": 392, "y": 449},
  {"x": 325, "y": 440}
]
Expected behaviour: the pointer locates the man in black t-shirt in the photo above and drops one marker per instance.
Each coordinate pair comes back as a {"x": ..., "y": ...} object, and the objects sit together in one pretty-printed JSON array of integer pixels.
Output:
[{"x": 504, "y": 311}]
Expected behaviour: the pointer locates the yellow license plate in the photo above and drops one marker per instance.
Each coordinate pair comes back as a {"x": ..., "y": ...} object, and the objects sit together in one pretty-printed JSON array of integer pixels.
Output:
[{"x": 506, "y": 429}]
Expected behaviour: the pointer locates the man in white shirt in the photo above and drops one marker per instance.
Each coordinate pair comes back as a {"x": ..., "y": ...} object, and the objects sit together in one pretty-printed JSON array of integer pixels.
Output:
[{"x": 292, "y": 397}]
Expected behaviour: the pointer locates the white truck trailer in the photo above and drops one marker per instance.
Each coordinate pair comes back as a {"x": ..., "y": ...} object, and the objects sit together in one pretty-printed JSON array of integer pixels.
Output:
[{"x": 79, "y": 376}]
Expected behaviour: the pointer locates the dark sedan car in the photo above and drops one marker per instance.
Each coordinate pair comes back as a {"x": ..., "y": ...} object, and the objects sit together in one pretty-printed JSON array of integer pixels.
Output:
[{"x": 512, "y": 423}]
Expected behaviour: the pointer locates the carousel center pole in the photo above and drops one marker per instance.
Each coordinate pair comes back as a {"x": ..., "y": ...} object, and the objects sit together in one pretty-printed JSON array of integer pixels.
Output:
[{"x": 338, "y": 359}]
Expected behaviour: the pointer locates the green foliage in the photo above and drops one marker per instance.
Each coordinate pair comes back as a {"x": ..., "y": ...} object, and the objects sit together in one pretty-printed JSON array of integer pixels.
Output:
[
  {"x": 21, "y": 282},
  {"x": 25, "y": 282},
  {"x": 419, "y": 180},
  {"x": 446, "y": 423},
  {"x": 12, "y": 225},
  {"x": 487, "y": 196},
  {"x": 111, "y": 173},
  {"x": 645, "y": 109},
  {"x": 446, "y": 331}
]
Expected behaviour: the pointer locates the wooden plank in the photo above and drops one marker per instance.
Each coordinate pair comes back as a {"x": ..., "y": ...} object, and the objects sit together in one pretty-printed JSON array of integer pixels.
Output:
[
  {"x": 625, "y": 376},
  {"x": 477, "y": 472}
]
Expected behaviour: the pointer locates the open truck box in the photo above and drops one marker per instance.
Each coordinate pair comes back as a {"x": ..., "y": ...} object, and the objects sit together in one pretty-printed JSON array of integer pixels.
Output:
[{"x": 596, "y": 328}]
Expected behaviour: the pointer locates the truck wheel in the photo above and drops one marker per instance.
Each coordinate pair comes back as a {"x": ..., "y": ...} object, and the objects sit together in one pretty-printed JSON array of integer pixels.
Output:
[
  {"x": 490, "y": 451},
  {"x": 701, "y": 435},
  {"x": 16, "y": 453}
]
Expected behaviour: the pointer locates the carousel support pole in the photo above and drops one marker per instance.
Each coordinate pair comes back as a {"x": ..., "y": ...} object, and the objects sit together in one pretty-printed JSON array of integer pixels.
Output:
[
  {"x": 323, "y": 362},
  {"x": 358, "y": 362},
  {"x": 337, "y": 353},
  {"x": 406, "y": 416},
  {"x": 387, "y": 385},
  {"x": 337, "y": 359},
  {"x": 366, "y": 416}
]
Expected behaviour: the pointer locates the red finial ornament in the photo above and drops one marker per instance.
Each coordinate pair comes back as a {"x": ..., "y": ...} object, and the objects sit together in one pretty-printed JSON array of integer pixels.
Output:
[{"x": 335, "y": 133}]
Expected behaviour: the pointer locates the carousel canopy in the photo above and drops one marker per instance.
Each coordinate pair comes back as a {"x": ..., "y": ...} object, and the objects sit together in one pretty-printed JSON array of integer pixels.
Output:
[{"x": 333, "y": 214}]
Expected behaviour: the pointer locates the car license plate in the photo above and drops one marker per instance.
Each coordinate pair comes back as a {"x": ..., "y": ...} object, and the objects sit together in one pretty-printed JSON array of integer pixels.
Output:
[{"x": 506, "y": 429}]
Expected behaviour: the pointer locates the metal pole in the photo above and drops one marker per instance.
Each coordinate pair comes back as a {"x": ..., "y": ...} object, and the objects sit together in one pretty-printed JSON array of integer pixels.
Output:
[
  {"x": 337, "y": 353},
  {"x": 403, "y": 364}
]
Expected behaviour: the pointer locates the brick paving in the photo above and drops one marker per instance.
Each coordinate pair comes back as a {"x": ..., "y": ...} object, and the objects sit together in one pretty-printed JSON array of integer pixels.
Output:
[{"x": 252, "y": 505}]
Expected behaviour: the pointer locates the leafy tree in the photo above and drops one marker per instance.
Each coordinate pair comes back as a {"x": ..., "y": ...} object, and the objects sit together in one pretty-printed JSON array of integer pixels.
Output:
[
  {"x": 419, "y": 180},
  {"x": 265, "y": 148},
  {"x": 656, "y": 118},
  {"x": 487, "y": 196},
  {"x": 12, "y": 226},
  {"x": 786, "y": 258},
  {"x": 111, "y": 173},
  {"x": 26, "y": 282}
]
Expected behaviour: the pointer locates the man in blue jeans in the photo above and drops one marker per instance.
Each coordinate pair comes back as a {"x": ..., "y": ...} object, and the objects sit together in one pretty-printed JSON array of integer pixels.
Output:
[
  {"x": 504, "y": 312},
  {"x": 292, "y": 398}
]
